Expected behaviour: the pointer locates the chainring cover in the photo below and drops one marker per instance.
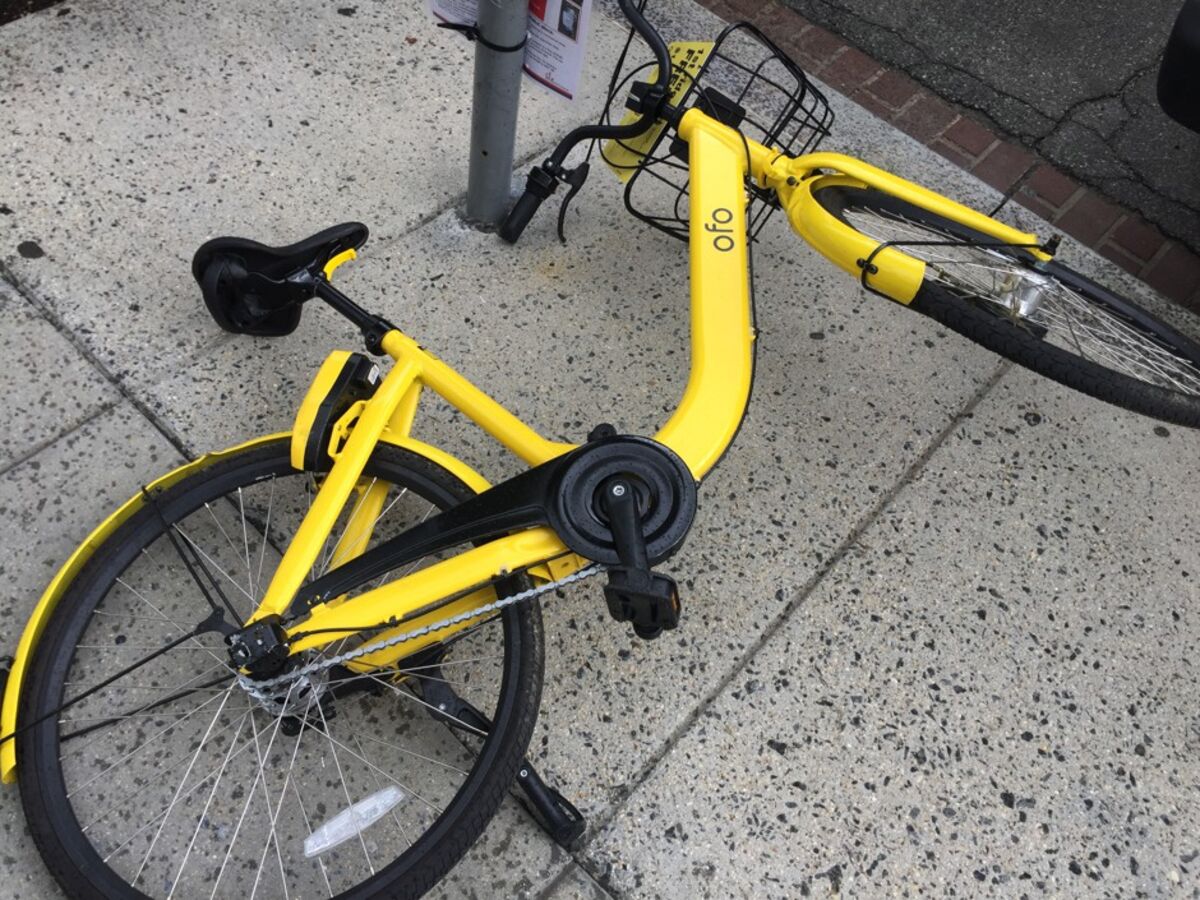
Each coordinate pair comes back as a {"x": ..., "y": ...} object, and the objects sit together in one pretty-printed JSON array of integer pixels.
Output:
[{"x": 665, "y": 488}]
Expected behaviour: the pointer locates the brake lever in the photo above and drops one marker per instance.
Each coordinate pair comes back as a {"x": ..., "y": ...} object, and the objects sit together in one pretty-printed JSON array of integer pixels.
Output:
[{"x": 575, "y": 178}]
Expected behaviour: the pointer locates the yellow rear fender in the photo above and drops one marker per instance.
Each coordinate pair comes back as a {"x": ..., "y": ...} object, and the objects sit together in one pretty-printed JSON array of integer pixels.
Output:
[
  {"x": 65, "y": 575},
  {"x": 36, "y": 623}
]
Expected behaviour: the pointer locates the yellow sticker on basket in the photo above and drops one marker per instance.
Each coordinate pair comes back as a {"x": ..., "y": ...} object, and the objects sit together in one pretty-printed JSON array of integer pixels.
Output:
[{"x": 687, "y": 57}]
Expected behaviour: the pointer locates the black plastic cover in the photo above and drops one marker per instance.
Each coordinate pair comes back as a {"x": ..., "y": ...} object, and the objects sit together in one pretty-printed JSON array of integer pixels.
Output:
[
  {"x": 358, "y": 380},
  {"x": 1179, "y": 75}
]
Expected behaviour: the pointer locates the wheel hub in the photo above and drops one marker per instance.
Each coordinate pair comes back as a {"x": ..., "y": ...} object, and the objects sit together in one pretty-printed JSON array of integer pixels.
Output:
[
  {"x": 1026, "y": 294},
  {"x": 296, "y": 698}
]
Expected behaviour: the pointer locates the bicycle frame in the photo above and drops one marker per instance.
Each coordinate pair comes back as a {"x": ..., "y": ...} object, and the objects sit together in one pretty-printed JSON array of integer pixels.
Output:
[
  {"x": 699, "y": 431},
  {"x": 702, "y": 426}
]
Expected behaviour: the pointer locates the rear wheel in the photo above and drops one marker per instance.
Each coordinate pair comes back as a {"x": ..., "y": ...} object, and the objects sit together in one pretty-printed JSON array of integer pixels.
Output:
[
  {"x": 174, "y": 781},
  {"x": 1047, "y": 318}
]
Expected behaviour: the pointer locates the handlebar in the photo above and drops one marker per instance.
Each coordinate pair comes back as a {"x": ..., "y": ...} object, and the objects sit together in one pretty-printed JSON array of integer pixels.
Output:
[
  {"x": 658, "y": 47},
  {"x": 543, "y": 180},
  {"x": 518, "y": 217}
]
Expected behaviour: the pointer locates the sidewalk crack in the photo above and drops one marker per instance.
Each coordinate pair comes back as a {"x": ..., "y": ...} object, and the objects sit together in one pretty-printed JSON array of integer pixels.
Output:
[
  {"x": 800, "y": 595},
  {"x": 50, "y": 316},
  {"x": 927, "y": 60}
]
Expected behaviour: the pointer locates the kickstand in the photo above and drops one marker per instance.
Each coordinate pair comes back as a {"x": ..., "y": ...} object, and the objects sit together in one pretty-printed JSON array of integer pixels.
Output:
[{"x": 556, "y": 815}]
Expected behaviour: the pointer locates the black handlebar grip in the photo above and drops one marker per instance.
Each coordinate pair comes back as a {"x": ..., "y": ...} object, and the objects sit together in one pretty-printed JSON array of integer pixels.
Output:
[
  {"x": 519, "y": 216},
  {"x": 538, "y": 186}
]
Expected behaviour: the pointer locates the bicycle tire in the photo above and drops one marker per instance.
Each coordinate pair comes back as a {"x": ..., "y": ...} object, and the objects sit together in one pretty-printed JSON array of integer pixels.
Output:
[
  {"x": 1161, "y": 376},
  {"x": 71, "y": 855}
]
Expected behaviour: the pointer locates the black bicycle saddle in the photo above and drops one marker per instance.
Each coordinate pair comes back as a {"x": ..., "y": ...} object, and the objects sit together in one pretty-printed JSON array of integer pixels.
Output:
[{"x": 250, "y": 288}]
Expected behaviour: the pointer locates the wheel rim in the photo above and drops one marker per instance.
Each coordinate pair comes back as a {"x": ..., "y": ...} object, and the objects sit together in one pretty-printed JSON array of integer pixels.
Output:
[
  {"x": 1052, "y": 310},
  {"x": 185, "y": 785}
]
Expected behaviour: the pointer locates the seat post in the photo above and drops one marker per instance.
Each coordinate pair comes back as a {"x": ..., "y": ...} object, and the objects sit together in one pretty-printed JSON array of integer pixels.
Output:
[{"x": 373, "y": 327}]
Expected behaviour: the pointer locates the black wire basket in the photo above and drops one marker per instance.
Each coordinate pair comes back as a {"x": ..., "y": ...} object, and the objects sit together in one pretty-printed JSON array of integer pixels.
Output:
[{"x": 748, "y": 83}]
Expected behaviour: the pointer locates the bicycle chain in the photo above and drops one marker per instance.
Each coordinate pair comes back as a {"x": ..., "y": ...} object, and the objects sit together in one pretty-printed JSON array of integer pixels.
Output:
[{"x": 256, "y": 688}]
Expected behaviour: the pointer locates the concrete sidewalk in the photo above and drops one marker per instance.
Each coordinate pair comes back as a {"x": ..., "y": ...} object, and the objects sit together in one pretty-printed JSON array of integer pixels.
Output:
[{"x": 938, "y": 612}]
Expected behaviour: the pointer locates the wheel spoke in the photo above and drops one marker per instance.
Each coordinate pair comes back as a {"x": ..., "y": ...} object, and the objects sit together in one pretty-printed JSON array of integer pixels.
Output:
[
  {"x": 179, "y": 790},
  {"x": 176, "y": 772},
  {"x": 138, "y": 749},
  {"x": 379, "y": 786},
  {"x": 287, "y": 777},
  {"x": 246, "y": 747},
  {"x": 262, "y": 552},
  {"x": 246, "y": 543},
  {"x": 208, "y": 803},
  {"x": 258, "y": 775},
  {"x": 182, "y": 629},
  {"x": 213, "y": 563},
  {"x": 333, "y": 742},
  {"x": 139, "y": 793}
]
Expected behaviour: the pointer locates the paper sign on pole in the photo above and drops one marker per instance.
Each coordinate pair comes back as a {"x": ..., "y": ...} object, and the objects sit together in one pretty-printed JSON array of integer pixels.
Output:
[{"x": 557, "y": 37}]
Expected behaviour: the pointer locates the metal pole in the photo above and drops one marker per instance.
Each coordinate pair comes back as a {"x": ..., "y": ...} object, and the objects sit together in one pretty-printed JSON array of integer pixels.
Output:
[{"x": 494, "y": 109}]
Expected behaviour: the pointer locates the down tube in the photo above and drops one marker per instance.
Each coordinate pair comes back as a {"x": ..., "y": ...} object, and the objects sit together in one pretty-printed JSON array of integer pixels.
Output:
[{"x": 718, "y": 388}]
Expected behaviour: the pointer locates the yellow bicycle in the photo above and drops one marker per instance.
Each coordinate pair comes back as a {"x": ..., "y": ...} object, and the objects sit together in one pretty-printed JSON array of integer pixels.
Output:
[{"x": 311, "y": 664}]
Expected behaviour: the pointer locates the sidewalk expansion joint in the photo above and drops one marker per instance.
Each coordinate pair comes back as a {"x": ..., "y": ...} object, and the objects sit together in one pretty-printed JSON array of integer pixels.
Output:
[
  {"x": 598, "y": 882},
  {"x": 88, "y": 354},
  {"x": 183, "y": 447},
  {"x": 37, "y": 448},
  {"x": 799, "y": 595}
]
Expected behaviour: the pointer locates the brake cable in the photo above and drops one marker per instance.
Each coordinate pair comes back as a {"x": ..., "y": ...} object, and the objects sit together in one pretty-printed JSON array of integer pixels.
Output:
[{"x": 577, "y": 176}]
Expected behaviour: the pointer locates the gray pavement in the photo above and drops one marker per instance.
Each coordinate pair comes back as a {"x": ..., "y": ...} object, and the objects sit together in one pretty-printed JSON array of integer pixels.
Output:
[
  {"x": 937, "y": 611},
  {"x": 1073, "y": 81}
]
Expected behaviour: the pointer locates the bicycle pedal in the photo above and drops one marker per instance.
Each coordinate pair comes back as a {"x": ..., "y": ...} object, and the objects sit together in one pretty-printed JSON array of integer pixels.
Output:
[{"x": 646, "y": 599}]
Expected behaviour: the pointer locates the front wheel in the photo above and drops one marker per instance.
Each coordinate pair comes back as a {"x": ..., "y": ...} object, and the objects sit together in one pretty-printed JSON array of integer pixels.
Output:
[
  {"x": 174, "y": 781},
  {"x": 1045, "y": 317}
]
